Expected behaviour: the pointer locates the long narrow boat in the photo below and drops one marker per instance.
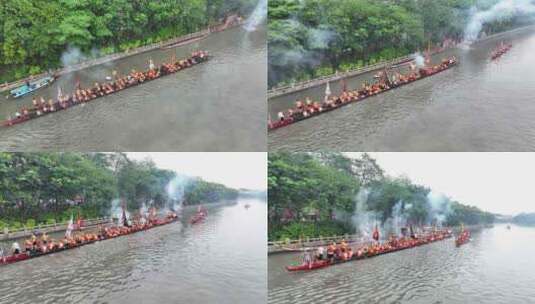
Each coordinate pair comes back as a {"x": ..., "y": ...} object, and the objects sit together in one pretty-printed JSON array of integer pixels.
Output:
[
  {"x": 27, "y": 255},
  {"x": 32, "y": 86},
  {"x": 500, "y": 51},
  {"x": 423, "y": 73},
  {"x": 327, "y": 263},
  {"x": 462, "y": 239},
  {"x": 36, "y": 112},
  {"x": 197, "y": 218}
]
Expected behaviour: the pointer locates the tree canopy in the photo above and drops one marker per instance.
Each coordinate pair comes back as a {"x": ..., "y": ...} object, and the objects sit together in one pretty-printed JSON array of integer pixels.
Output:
[
  {"x": 49, "y": 187},
  {"x": 34, "y": 34},
  {"x": 313, "y": 194},
  {"x": 311, "y": 38}
]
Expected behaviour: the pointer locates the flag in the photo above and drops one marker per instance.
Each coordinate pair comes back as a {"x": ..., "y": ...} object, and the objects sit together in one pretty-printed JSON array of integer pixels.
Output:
[
  {"x": 375, "y": 235},
  {"x": 327, "y": 91},
  {"x": 70, "y": 227}
]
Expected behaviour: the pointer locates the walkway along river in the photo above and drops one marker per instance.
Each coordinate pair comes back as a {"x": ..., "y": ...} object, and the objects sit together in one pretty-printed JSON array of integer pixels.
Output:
[
  {"x": 478, "y": 106},
  {"x": 495, "y": 267},
  {"x": 211, "y": 107},
  {"x": 175, "y": 263}
]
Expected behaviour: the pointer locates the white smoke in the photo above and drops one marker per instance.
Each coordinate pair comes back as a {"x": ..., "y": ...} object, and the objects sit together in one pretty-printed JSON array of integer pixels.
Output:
[
  {"x": 116, "y": 210},
  {"x": 363, "y": 219},
  {"x": 419, "y": 60},
  {"x": 439, "y": 207},
  {"x": 257, "y": 17},
  {"x": 176, "y": 189},
  {"x": 502, "y": 10},
  {"x": 72, "y": 56}
]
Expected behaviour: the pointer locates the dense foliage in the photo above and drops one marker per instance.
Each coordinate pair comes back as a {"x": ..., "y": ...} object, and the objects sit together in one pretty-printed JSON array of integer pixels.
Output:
[
  {"x": 49, "y": 187},
  {"x": 35, "y": 33},
  {"x": 312, "y": 38},
  {"x": 313, "y": 194}
]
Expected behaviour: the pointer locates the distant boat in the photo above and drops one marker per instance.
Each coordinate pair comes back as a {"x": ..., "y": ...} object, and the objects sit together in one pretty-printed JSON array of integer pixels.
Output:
[
  {"x": 247, "y": 206},
  {"x": 31, "y": 86},
  {"x": 508, "y": 227}
]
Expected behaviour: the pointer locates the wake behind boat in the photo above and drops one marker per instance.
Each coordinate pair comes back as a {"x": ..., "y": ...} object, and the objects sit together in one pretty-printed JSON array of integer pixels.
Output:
[
  {"x": 41, "y": 107},
  {"x": 384, "y": 83}
]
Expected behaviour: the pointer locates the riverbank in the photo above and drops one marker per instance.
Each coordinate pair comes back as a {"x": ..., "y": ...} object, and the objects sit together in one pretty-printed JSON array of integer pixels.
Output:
[
  {"x": 174, "y": 42},
  {"x": 307, "y": 84}
]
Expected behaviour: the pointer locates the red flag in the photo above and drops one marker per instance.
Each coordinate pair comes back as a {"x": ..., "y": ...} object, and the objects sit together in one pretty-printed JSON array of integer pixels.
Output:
[{"x": 376, "y": 233}]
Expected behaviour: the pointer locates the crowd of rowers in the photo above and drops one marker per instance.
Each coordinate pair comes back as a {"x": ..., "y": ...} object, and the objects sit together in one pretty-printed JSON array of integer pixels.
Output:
[
  {"x": 308, "y": 107},
  {"x": 44, "y": 243},
  {"x": 500, "y": 50},
  {"x": 344, "y": 252},
  {"x": 463, "y": 237},
  {"x": 41, "y": 106}
]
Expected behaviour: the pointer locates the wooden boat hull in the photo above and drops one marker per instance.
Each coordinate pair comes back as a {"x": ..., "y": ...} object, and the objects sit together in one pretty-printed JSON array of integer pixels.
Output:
[
  {"x": 26, "y": 255},
  {"x": 289, "y": 121},
  {"x": 319, "y": 265},
  {"x": 58, "y": 107}
]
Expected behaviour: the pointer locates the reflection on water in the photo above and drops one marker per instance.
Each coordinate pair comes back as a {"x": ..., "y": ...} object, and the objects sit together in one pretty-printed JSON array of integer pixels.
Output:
[
  {"x": 222, "y": 260},
  {"x": 218, "y": 105},
  {"x": 496, "y": 267},
  {"x": 479, "y": 105}
]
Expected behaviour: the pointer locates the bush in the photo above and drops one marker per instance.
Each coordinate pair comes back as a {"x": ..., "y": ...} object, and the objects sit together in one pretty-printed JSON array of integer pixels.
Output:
[
  {"x": 16, "y": 225},
  {"x": 302, "y": 230},
  {"x": 30, "y": 223},
  {"x": 34, "y": 70},
  {"x": 50, "y": 221}
]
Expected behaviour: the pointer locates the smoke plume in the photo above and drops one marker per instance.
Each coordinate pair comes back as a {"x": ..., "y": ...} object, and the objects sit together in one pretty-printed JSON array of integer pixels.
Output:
[
  {"x": 257, "y": 17},
  {"x": 502, "y": 10}
]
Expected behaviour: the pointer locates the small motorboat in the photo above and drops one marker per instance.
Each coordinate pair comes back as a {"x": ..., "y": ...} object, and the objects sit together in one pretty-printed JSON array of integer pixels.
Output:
[{"x": 31, "y": 86}]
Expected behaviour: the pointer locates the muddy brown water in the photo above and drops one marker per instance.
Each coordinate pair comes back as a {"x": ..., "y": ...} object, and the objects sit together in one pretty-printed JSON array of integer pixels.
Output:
[
  {"x": 221, "y": 260},
  {"x": 477, "y": 106},
  {"x": 215, "y": 106}
]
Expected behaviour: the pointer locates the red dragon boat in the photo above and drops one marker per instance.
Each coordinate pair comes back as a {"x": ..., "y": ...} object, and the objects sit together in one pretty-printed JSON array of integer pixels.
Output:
[
  {"x": 463, "y": 238},
  {"x": 100, "y": 90},
  {"x": 5, "y": 260},
  {"x": 388, "y": 248},
  {"x": 500, "y": 51},
  {"x": 310, "y": 111}
]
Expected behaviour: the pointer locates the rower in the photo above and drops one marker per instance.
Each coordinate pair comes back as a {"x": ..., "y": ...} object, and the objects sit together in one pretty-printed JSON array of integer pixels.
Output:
[
  {"x": 151, "y": 65},
  {"x": 281, "y": 116},
  {"x": 330, "y": 251},
  {"x": 45, "y": 238},
  {"x": 15, "y": 248},
  {"x": 307, "y": 259},
  {"x": 321, "y": 252}
]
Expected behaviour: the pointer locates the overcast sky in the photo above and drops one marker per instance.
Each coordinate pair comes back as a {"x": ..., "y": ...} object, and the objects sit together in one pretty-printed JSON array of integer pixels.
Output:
[
  {"x": 237, "y": 170},
  {"x": 496, "y": 182}
]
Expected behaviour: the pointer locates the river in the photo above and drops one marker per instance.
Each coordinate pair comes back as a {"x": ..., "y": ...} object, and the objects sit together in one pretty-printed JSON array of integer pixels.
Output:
[
  {"x": 495, "y": 267},
  {"x": 221, "y": 260},
  {"x": 477, "y": 106},
  {"x": 216, "y": 106}
]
